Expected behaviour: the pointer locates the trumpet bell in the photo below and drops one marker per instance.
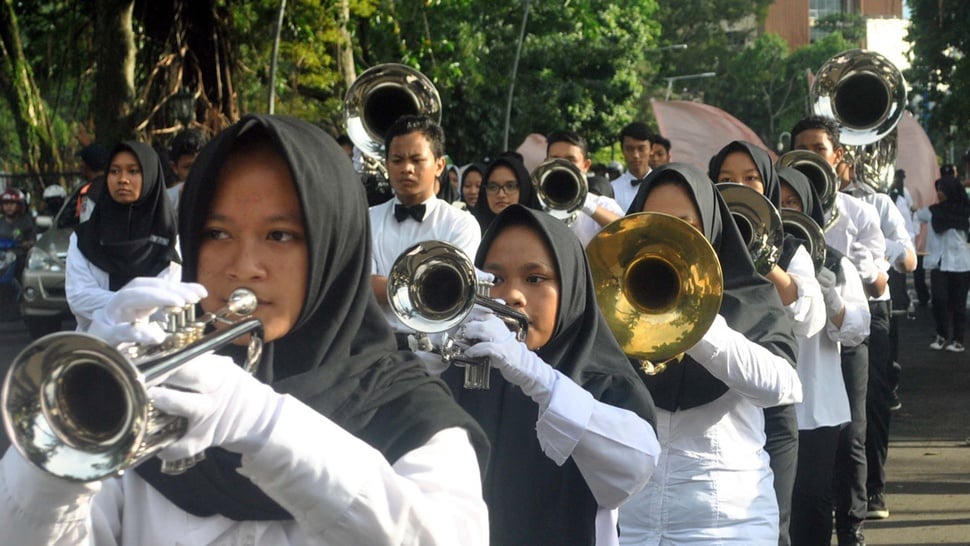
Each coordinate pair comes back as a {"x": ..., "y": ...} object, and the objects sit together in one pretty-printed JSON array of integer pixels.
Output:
[
  {"x": 381, "y": 95},
  {"x": 864, "y": 91},
  {"x": 561, "y": 187},
  {"x": 758, "y": 221},
  {"x": 820, "y": 174},
  {"x": 432, "y": 287},
  {"x": 800, "y": 225},
  {"x": 658, "y": 284}
]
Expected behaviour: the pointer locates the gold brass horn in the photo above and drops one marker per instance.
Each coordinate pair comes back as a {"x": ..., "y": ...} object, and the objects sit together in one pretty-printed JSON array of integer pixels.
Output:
[
  {"x": 561, "y": 187},
  {"x": 658, "y": 284},
  {"x": 863, "y": 91},
  {"x": 431, "y": 288},
  {"x": 758, "y": 221},
  {"x": 78, "y": 407},
  {"x": 381, "y": 95},
  {"x": 821, "y": 175},
  {"x": 802, "y": 226}
]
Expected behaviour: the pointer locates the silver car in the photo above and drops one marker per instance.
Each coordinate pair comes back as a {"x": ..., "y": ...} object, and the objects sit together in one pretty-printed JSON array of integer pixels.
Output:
[{"x": 43, "y": 303}]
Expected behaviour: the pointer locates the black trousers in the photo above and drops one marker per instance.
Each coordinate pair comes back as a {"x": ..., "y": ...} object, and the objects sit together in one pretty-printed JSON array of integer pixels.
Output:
[
  {"x": 849, "y": 476},
  {"x": 919, "y": 282},
  {"x": 811, "y": 505},
  {"x": 878, "y": 397},
  {"x": 949, "y": 292},
  {"x": 781, "y": 443}
]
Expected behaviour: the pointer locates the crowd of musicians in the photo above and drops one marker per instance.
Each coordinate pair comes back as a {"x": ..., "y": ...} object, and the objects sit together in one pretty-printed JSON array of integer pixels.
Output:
[{"x": 356, "y": 427}]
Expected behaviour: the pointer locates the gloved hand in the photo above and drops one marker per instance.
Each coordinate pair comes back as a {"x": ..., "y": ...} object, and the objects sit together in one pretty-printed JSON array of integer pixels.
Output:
[
  {"x": 895, "y": 251},
  {"x": 124, "y": 318},
  {"x": 225, "y": 406},
  {"x": 830, "y": 292},
  {"x": 484, "y": 276},
  {"x": 517, "y": 363},
  {"x": 589, "y": 206},
  {"x": 862, "y": 259}
]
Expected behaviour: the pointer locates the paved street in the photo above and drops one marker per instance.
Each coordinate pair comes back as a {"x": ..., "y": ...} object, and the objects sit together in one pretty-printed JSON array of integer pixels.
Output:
[{"x": 929, "y": 457}]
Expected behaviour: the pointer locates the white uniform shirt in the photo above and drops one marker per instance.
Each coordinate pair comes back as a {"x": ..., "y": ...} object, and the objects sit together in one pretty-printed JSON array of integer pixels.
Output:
[
  {"x": 391, "y": 238},
  {"x": 858, "y": 221},
  {"x": 825, "y": 402},
  {"x": 624, "y": 191},
  {"x": 585, "y": 227},
  {"x": 340, "y": 491},
  {"x": 947, "y": 251},
  {"x": 86, "y": 285},
  {"x": 713, "y": 483},
  {"x": 893, "y": 227}
]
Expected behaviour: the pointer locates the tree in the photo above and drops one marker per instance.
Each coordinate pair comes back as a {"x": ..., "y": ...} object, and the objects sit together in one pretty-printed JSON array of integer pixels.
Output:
[{"x": 940, "y": 69}]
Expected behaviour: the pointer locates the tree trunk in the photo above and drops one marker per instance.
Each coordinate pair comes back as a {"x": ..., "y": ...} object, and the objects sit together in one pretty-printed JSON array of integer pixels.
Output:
[
  {"x": 115, "y": 75},
  {"x": 30, "y": 115},
  {"x": 208, "y": 41},
  {"x": 345, "y": 46}
]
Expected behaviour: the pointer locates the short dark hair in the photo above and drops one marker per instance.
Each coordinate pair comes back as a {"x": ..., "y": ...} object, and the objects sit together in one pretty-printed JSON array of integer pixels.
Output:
[
  {"x": 948, "y": 169},
  {"x": 186, "y": 142},
  {"x": 569, "y": 137},
  {"x": 657, "y": 139},
  {"x": 344, "y": 140},
  {"x": 417, "y": 124},
  {"x": 829, "y": 125},
  {"x": 637, "y": 131}
]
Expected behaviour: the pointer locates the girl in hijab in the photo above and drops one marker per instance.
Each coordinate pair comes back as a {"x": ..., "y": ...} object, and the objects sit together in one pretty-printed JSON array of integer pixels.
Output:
[
  {"x": 337, "y": 439},
  {"x": 506, "y": 182},
  {"x": 131, "y": 233},
  {"x": 825, "y": 400},
  {"x": 794, "y": 278},
  {"x": 713, "y": 481},
  {"x": 447, "y": 190},
  {"x": 948, "y": 260},
  {"x": 471, "y": 183},
  {"x": 570, "y": 423}
]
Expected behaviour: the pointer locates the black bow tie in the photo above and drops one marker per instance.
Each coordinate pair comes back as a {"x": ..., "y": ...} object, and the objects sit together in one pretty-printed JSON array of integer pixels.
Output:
[
  {"x": 636, "y": 181},
  {"x": 401, "y": 212}
]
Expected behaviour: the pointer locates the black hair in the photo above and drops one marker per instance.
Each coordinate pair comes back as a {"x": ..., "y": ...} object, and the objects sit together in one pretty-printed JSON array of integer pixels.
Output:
[
  {"x": 637, "y": 131},
  {"x": 829, "y": 125},
  {"x": 948, "y": 169},
  {"x": 657, "y": 139},
  {"x": 344, "y": 140},
  {"x": 569, "y": 137},
  {"x": 952, "y": 188},
  {"x": 186, "y": 142},
  {"x": 417, "y": 124}
]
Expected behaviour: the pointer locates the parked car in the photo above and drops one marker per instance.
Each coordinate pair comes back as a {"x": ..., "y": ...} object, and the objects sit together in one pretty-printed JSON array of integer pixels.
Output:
[{"x": 43, "y": 302}]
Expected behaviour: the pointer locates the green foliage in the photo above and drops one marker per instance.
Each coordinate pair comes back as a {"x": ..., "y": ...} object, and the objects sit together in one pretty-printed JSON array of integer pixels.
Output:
[{"x": 940, "y": 69}]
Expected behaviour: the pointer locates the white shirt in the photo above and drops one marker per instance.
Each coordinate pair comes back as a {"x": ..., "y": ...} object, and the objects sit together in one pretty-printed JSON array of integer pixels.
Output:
[
  {"x": 858, "y": 221},
  {"x": 391, "y": 238},
  {"x": 624, "y": 191},
  {"x": 807, "y": 312},
  {"x": 905, "y": 205},
  {"x": 825, "y": 402},
  {"x": 585, "y": 227},
  {"x": 947, "y": 251},
  {"x": 713, "y": 483},
  {"x": 86, "y": 285},
  {"x": 340, "y": 491},
  {"x": 893, "y": 227}
]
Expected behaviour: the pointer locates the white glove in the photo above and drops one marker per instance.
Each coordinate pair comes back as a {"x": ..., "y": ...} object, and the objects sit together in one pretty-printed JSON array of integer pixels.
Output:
[
  {"x": 895, "y": 251},
  {"x": 589, "y": 206},
  {"x": 484, "y": 276},
  {"x": 124, "y": 318},
  {"x": 517, "y": 363},
  {"x": 225, "y": 406},
  {"x": 862, "y": 260},
  {"x": 830, "y": 293}
]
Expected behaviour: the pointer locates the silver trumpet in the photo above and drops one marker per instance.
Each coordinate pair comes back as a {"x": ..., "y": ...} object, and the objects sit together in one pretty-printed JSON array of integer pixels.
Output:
[
  {"x": 561, "y": 187},
  {"x": 758, "y": 221},
  {"x": 78, "y": 408},
  {"x": 431, "y": 288}
]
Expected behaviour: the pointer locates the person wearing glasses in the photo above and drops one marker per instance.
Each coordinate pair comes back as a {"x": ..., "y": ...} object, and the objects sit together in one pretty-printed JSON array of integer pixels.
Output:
[{"x": 507, "y": 182}]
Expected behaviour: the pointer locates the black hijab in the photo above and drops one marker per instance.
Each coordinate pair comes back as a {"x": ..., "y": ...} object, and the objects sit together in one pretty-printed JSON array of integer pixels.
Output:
[
  {"x": 954, "y": 211},
  {"x": 772, "y": 187},
  {"x": 527, "y": 195},
  {"x": 445, "y": 191},
  {"x": 530, "y": 499},
  {"x": 471, "y": 167},
  {"x": 340, "y": 358},
  {"x": 134, "y": 240},
  {"x": 812, "y": 206},
  {"x": 750, "y": 304}
]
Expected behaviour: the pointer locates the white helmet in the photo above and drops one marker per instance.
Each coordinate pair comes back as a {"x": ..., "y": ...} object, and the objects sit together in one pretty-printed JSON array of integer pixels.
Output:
[{"x": 54, "y": 190}]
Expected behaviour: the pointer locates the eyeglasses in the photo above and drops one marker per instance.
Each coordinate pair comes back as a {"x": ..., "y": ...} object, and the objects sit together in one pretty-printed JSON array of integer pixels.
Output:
[{"x": 508, "y": 188}]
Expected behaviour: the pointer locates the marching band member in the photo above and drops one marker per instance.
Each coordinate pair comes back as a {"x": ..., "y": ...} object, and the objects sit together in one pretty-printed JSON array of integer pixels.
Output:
[{"x": 506, "y": 182}]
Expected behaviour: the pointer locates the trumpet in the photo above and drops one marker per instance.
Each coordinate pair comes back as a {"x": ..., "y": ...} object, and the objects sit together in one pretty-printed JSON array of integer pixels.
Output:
[
  {"x": 801, "y": 225},
  {"x": 821, "y": 175},
  {"x": 758, "y": 221},
  {"x": 78, "y": 408},
  {"x": 561, "y": 187},
  {"x": 431, "y": 288},
  {"x": 658, "y": 284}
]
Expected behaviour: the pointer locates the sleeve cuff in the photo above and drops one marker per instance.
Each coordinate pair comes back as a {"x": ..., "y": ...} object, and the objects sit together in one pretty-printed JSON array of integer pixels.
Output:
[{"x": 564, "y": 421}]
